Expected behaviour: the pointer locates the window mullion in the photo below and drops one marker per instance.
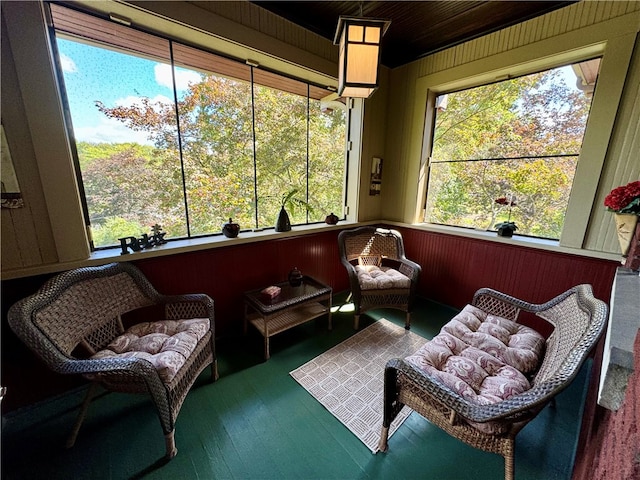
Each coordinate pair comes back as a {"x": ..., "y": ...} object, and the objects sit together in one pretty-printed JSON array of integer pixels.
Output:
[
  {"x": 308, "y": 150},
  {"x": 501, "y": 159},
  {"x": 255, "y": 160},
  {"x": 180, "y": 153}
]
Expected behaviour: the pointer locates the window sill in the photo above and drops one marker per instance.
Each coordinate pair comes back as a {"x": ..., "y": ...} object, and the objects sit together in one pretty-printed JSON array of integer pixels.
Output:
[
  {"x": 530, "y": 242},
  {"x": 218, "y": 241},
  {"x": 100, "y": 257},
  {"x": 184, "y": 246}
]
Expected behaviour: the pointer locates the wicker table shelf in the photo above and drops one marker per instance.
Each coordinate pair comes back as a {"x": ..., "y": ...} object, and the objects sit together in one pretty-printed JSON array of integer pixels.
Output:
[{"x": 294, "y": 306}]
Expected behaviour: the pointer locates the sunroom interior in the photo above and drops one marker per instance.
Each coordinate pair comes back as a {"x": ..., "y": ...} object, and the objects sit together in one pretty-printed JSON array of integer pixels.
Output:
[{"x": 48, "y": 234}]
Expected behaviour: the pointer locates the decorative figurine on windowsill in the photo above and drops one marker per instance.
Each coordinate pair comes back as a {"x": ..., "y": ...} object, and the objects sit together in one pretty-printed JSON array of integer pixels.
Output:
[
  {"x": 291, "y": 202},
  {"x": 331, "y": 219},
  {"x": 144, "y": 242},
  {"x": 231, "y": 229},
  {"x": 506, "y": 229}
]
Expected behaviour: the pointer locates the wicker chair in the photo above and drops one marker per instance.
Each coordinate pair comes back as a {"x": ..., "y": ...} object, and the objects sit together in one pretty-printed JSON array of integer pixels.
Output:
[
  {"x": 377, "y": 247},
  {"x": 578, "y": 319},
  {"x": 76, "y": 316}
]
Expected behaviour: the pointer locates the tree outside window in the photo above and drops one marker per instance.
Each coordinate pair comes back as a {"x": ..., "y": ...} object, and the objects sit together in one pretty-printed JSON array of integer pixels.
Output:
[
  {"x": 518, "y": 138},
  {"x": 188, "y": 139}
]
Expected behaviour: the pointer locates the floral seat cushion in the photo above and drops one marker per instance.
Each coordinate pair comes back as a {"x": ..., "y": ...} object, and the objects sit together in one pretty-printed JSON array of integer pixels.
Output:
[
  {"x": 374, "y": 277},
  {"x": 513, "y": 343},
  {"x": 482, "y": 357},
  {"x": 166, "y": 344}
]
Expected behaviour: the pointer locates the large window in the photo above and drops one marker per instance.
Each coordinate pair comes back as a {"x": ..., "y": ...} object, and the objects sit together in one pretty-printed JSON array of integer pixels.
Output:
[
  {"x": 508, "y": 151},
  {"x": 170, "y": 134}
]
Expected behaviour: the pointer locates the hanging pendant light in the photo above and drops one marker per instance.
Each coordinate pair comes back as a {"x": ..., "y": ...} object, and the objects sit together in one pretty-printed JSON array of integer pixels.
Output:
[{"x": 359, "y": 40}]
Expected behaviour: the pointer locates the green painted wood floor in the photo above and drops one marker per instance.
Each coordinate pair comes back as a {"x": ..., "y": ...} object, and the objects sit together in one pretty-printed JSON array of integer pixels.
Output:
[{"x": 256, "y": 422}]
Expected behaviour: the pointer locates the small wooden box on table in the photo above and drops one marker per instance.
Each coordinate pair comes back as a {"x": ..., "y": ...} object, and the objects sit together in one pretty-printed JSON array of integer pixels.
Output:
[{"x": 292, "y": 307}]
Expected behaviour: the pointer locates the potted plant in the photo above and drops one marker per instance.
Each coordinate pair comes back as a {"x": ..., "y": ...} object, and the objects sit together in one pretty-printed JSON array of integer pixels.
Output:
[
  {"x": 506, "y": 229},
  {"x": 624, "y": 202},
  {"x": 291, "y": 202}
]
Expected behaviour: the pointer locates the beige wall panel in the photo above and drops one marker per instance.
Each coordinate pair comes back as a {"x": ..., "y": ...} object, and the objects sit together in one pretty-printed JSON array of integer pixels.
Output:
[
  {"x": 248, "y": 14},
  {"x": 27, "y": 239},
  {"x": 393, "y": 155},
  {"x": 630, "y": 7},
  {"x": 597, "y": 138},
  {"x": 402, "y": 128},
  {"x": 605, "y": 9},
  {"x": 23, "y": 236},
  {"x": 542, "y": 28},
  {"x": 593, "y": 12},
  {"x": 416, "y": 155},
  {"x": 573, "y": 17},
  {"x": 10, "y": 250},
  {"x": 554, "y": 24},
  {"x": 622, "y": 164},
  {"x": 34, "y": 72},
  {"x": 373, "y": 145},
  {"x": 355, "y": 124},
  {"x": 263, "y": 21}
]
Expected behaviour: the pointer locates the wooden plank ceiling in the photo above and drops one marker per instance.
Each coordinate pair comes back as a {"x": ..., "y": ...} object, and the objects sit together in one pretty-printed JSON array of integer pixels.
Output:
[{"x": 417, "y": 28}]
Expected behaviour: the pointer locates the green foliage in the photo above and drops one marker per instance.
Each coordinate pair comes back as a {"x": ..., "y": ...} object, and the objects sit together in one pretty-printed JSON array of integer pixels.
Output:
[
  {"x": 531, "y": 116},
  {"x": 144, "y": 184},
  {"x": 114, "y": 228},
  {"x": 89, "y": 152},
  {"x": 293, "y": 204}
]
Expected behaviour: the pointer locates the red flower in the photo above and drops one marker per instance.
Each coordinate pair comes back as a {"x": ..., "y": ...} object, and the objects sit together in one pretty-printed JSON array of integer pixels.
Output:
[
  {"x": 504, "y": 201},
  {"x": 625, "y": 199},
  {"x": 508, "y": 202}
]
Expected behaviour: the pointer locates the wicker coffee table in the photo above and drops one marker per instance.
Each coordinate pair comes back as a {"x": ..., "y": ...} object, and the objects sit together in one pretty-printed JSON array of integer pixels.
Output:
[{"x": 294, "y": 306}]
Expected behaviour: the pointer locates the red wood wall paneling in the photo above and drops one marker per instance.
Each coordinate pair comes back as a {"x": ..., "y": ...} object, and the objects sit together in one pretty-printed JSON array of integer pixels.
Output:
[
  {"x": 453, "y": 269},
  {"x": 225, "y": 273}
]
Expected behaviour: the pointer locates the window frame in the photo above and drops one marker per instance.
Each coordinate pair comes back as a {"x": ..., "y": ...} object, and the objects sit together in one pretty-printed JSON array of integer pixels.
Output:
[
  {"x": 432, "y": 122},
  {"x": 265, "y": 77},
  {"x": 615, "y": 52}
]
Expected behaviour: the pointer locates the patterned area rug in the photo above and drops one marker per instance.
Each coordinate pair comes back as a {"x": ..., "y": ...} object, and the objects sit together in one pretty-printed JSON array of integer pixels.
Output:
[{"x": 348, "y": 379}]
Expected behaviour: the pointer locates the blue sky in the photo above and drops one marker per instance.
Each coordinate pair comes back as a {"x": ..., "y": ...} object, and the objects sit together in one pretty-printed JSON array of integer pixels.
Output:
[{"x": 93, "y": 73}]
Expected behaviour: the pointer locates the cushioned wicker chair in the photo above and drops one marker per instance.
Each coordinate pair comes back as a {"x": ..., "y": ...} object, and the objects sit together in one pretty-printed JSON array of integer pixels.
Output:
[
  {"x": 74, "y": 323},
  {"x": 380, "y": 275},
  {"x": 578, "y": 320}
]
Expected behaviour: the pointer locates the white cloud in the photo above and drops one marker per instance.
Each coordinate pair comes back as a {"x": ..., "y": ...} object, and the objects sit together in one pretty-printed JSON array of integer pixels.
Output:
[
  {"x": 68, "y": 65},
  {"x": 183, "y": 77},
  {"x": 110, "y": 130}
]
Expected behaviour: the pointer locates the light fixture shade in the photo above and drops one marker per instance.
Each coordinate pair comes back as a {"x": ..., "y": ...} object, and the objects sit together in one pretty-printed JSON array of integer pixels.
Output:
[{"x": 359, "y": 41}]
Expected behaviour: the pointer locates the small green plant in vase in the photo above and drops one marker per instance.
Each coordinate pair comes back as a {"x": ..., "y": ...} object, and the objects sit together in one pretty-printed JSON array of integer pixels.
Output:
[
  {"x": 292, "y": 203},
  {"x": 506, "y": 229}
]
